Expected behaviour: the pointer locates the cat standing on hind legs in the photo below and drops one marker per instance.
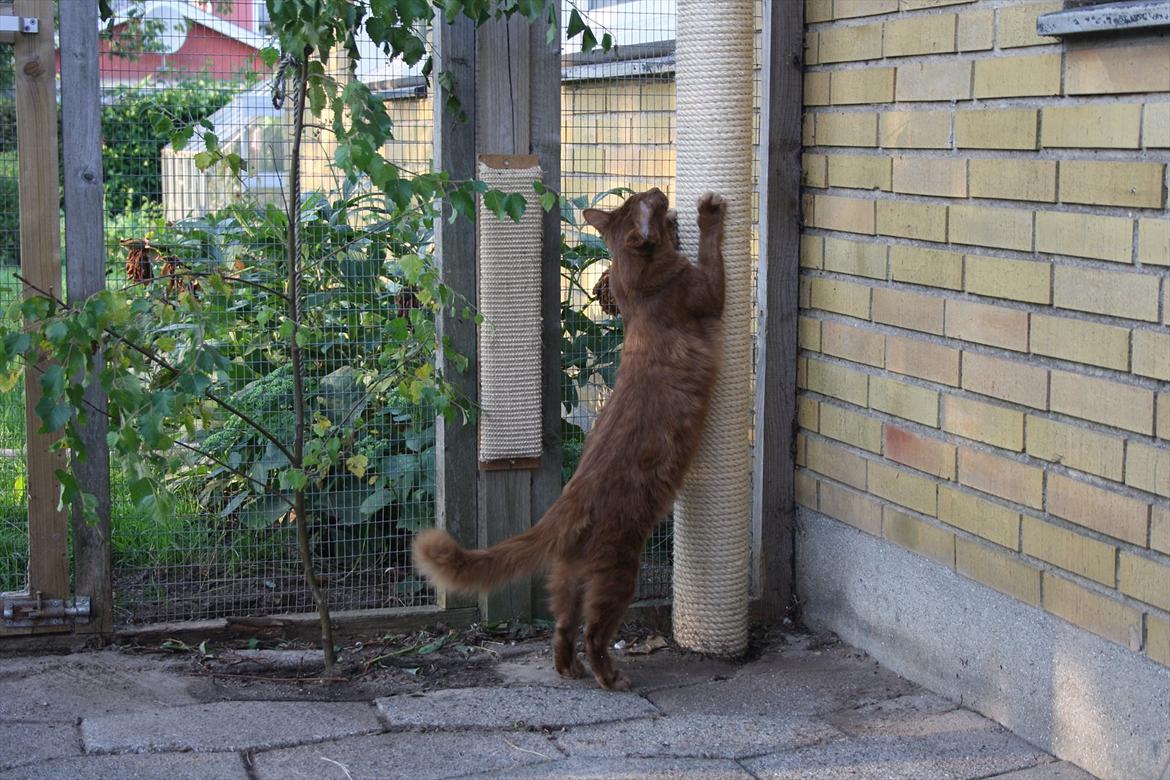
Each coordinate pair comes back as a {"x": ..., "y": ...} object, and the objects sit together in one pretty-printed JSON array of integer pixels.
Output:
[{"x": 639, "y": 449}]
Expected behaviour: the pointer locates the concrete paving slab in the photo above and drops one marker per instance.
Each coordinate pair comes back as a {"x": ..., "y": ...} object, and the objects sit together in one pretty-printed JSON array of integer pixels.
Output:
[
  {"x": 626, "y": 768},
  {"x": 172, "y": 766},
  {"x": 406, "y": 754},
  {"x": 29, "y": 743},
  {"x": 963, "y": 755},
  {"x": 503, "y": 708},
  {"x": 82, "y": 685},
  {"x": 1056, "y": 770},
  {"x": 918, "y": 714},
  {"x": 227, "y": 726},
  {"x": 695, "y": 736},
  {"x": 646, "y": 672},
  {"x": 785, "y": 693}
]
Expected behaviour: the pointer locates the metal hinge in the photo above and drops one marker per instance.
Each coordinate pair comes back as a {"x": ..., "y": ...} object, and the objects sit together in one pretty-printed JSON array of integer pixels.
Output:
[
  {"x": 28, "y": 611},
  {"x": 29, "y": 25}
]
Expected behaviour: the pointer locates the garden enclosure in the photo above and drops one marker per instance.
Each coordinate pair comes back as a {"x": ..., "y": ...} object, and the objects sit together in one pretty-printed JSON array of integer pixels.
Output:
[{"x": 228, "y": 549}]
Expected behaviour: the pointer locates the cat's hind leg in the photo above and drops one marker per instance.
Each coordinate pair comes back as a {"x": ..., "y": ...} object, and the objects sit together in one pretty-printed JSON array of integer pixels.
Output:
[
  {"x": 607, "y": 596},
  {"x": 565, "y": 601}
]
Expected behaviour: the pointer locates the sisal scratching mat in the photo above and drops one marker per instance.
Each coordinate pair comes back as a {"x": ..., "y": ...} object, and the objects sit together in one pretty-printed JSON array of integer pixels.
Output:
[
  {"x": 714, "y": 153},
  {"x": 509, "y": 300}
]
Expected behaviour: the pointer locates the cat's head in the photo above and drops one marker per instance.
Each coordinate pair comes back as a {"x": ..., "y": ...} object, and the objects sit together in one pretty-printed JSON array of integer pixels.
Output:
[{"x": 640, "y": 225}]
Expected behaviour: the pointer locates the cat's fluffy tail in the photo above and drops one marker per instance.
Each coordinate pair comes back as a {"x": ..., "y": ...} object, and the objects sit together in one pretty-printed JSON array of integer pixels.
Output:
[{"x": 444, "y": 562}]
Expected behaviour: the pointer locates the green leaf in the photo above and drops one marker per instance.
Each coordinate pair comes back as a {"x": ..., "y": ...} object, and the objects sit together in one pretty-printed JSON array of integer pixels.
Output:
[
  {"x": 576, "y": 24},
  {"x": 293, "y": 479},
  {"x": 588, "y": 41},
  {"x": 514, "y": 206}
]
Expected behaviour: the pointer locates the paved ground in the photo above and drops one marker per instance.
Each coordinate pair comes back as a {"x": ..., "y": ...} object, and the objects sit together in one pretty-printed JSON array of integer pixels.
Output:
[{"x": 803, "y": 708}]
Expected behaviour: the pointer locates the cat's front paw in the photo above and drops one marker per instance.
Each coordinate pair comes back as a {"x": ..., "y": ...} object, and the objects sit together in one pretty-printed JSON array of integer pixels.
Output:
[{"x": 712, "y": 210}]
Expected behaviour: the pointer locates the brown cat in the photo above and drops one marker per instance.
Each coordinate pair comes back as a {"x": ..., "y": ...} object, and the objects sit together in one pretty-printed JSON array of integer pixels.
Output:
[{"x": 638, "y": 451}]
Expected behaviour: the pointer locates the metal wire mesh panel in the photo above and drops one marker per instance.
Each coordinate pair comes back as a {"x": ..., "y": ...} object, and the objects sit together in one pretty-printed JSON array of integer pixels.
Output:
[
  {"x": 617, "y": 131},
  {"x": 230, "y": 548},
  {"x": 13, "y": 471}
]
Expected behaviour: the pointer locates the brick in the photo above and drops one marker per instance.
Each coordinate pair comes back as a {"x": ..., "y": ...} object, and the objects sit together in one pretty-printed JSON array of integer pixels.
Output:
[
  {"x": 985, "y": 324},
  {"x": 1162, "y": 415},
  {"x": 923, "y": 221},
  {"x": 904, "y": 400},
  {"x": 1148, "y": 468},
  {"x": 983, "y": 226},
  {"x": 1014, "y": 179},
  {"x": 1085, "y": 235},
  {"x": 1132, "y": 296},
  {"x": 851, "y": 427},
  {"x": 807, "y": 413},
  {"x": 808, "y": 129},
  {"x": 903, "y": 488},
  {"x": 867, "y": 172},
  {"x": 914, "y": 5},
  {"x": 1156, "y": 126},
  {"x": 1069, "y": 550},
  {"x": 1151, "y": 354},
  {"x": 920, "y": 35},
  {"x": 1113, "y": 183},
  {"x": 975, "y": 31},
  {"x": 1128, "y": 67},
  {"x": 1154, "y": 241},
  {"x": 922, "y": 359},
  {"x": 915, "y": 130},
  {"x": 809, "y": 334},
  {"x": 849, "y": 44},
  {"x": 1158, "y": 639},
  {"x": 930, "y": 176},
  {"x": 837, "y": 381},
  {"x": 1099, "y": 400},
  {"x": 845, "y": 9},
  {"x": 1145, "y": 579},
  {"x": 1166, "y": 304},
  {"x": 929, "y": 267},
  {"x": 903, "y": 309},
  {"x": 818, "y": 11},
  {"x": 1001, "y": 477},
  {"x": 1017, "y": 24},
  {"x": 848, "y": 506},
  {"x": 802, "y": 373},
  {"x": 801, "y": 449},
  {"x": 1080, "y": 341},
  {"x": 1102, "y": 510},
  {"x": 806, "y": 489},
  {"x": 1008, "y": 380},
  {"x": 919, "y": 452},
  {"x": 944, "y": 80},
  {"x": 1093, "y": 612},
  {"x": 1160, "y": 528},
  {"x": 1013, "y": 128},
  {"x": 923, "y": 538},
  {"x": 852, "y": 215},
  {"x": 1075, "y": 447},
  {"x": 984, "y": 422},
  {"x": 853, "y": 343},
  {"x": 996, "y": 570},
  {"x": 841, "y": 297},
  {"x": 812, "y": 250},
  {"x": 1111, "y": 126},
  {"x": 816, "y": 88},
  {"x": 979, "y": 516},
  {"x": 835, "y": 462},
  {"x": 856, "y": 258},
  {"x": 838, "y": 128},
  {"x": 1017, "y": 76},
  {"x": 867, "y": 85},
  {"x": 1017, "y": 280},
  {"x": 812, "y": 170}
]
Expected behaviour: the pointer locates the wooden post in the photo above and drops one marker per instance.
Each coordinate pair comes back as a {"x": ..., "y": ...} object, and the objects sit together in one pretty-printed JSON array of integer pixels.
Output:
[
  {"x": 85, "y": 266},
  {"x": 457, "y": 464},
  {"x": 40, "y": 246},
  {"x": 777, "y": 294}
]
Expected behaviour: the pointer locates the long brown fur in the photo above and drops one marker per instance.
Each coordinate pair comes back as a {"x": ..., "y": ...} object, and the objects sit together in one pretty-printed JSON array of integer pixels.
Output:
[{"x": 638, "y": 451}]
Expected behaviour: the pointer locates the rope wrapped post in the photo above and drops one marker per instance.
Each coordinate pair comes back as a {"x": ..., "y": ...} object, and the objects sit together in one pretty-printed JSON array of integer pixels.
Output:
[{"x": 714, "y": 153}]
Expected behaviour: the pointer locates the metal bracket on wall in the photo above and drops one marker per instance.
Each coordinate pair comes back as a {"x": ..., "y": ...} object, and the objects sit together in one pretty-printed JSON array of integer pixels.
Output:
[
  {"x": 29, "y": 25},
  {"x": 23, "y": 610}
]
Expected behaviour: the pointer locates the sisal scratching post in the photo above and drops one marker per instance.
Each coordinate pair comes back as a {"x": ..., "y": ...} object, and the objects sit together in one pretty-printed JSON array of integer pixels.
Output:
[
  {"x": 714, "y": 153},
  {"x": 509, "y": 300}
]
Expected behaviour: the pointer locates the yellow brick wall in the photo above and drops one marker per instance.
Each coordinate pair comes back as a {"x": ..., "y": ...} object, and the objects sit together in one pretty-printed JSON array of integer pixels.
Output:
[{"x": 985, "y": 290}]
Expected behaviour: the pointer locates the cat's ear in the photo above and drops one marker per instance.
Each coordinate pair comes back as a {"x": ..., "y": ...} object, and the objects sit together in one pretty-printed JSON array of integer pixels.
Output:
[{"x": 598, "y": 218}]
